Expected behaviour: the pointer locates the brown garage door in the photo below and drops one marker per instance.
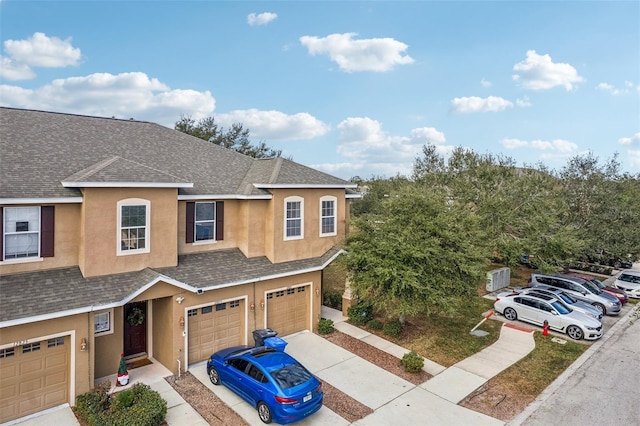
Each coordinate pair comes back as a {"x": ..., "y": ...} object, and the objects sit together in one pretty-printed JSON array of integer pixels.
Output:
[
  {"x": 288, "y": 310},
  {"x": 34, "y": 377},
  {"x": 214, "y": 327}
]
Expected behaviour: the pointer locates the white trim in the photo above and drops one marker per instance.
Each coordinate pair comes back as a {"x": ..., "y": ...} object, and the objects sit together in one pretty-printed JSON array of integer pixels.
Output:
[
  {"x": 224, "y": 197},
  {"x": 353, "y": 196},
  {"x": 179, "y": 284},
  {"x": 244, "y": 298},
  {"x": 68, "y": 184},
  {"x": 64, "y": 200},
  {"x": 129, "y": 202},
  {"x": 21, "y": 260},
  {"x": 293, "y": 199},
  {"x": 335, "y": 216},
  {"x": 302, "y": 185}
]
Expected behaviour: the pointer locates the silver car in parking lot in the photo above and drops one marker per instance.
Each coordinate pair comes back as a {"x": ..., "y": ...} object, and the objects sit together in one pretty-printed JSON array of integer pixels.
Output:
[
  {"x": 569, "y": 300},
  {"x": 580, "y": 289}
]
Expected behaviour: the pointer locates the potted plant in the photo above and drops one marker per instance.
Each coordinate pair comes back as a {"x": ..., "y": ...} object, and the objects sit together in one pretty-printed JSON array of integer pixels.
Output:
[{"x": 123, "y": 374}]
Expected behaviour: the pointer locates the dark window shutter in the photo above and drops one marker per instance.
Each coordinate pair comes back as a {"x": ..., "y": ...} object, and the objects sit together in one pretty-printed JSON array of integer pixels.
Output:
[
  {"x": 47, "y": 228},
  {"x": 219, "y": 220},
  {"x": 191, "y": 219},
  {"x": 1, "y": 233}
]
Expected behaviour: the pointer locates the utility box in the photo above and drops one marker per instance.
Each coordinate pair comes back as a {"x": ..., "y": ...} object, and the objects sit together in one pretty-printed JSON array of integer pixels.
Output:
[
  {"x": 498, "y": 278},
  {"x": 260, "y": 335}
]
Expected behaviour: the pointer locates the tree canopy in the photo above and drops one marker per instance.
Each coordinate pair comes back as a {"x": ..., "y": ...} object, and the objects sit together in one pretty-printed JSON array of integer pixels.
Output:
[
  {"x": 419, "y": 243},
  {"x": 236, "y": 138}
]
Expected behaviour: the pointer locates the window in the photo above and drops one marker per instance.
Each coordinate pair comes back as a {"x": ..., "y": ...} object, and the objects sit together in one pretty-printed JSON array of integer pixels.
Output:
[
  {"x": 328, "y": 216},
  {"x": 57, "y": 341},
  {"x": 6, "y": 353},
  {"x": 205, "y": 222},
  {"x": 133, "y": 219},
  {"x": 102, "y": 322},
  {"x": 207, "y": 310},
  {"x": 30, "y": 347},
  {"x": 27, "y": 232},
  {"x": 293, "y": 226}
]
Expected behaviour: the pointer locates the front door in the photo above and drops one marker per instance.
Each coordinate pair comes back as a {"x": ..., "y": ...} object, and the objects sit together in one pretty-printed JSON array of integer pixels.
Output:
[{"x": 135, "y": 328}]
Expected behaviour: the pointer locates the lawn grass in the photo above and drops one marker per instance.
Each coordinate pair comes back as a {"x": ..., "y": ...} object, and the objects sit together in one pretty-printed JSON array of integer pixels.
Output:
[
  {"x": 447, "y": 339},
  {"x": 531, "y": 375}
]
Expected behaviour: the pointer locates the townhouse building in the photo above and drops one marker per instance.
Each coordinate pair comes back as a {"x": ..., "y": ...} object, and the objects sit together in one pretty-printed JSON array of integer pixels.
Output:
[{"x": 124, "y": 236}]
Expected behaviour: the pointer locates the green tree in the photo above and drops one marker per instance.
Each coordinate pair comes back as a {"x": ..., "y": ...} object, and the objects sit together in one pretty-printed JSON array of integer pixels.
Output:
[
  {"x": 236, "y": 138},
  {"x": 415, "y": 253}
]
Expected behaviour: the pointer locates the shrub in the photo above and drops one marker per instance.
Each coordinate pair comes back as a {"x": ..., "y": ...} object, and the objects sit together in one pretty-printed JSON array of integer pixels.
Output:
[
  {"x": 392, "y": 328},
  {"x": 374, "y": 324},
  {"x": 325, "y": 326},
  {"x": 360, "y": 314},
  {"x": 332, "y": 298},
  {"x": 139, "y": 405},
  {"x": 412, "y": 362}
]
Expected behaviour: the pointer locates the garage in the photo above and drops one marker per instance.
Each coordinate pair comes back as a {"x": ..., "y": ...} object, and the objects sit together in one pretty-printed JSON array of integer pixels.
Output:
[
  {"x": 214, "y": 327},
  {"x": 288, "y": 311},
  {"x": 35, "y": 376}
]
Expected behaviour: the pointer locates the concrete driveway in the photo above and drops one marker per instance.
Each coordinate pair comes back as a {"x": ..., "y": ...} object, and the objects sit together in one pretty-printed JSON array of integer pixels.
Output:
[{"x": 394, "y": 400}]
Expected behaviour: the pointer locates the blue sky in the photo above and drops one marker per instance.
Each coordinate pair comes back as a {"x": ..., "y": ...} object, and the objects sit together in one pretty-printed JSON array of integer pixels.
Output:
[{"x": 350, "y": 88}]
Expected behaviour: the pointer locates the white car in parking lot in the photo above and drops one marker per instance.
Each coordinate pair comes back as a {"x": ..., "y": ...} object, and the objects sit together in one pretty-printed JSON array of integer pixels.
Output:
[
  {"x": 629, "y": 281},
  {"x": 540, "y": 308}
]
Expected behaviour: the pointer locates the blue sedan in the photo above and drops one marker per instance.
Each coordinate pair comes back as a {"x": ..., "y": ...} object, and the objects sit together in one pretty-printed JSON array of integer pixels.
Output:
[{"x": 273, "y": 382}]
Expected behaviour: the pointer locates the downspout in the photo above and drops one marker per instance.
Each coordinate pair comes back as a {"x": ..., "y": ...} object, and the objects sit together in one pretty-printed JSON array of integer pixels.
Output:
[{"x": 179, "y": 367}]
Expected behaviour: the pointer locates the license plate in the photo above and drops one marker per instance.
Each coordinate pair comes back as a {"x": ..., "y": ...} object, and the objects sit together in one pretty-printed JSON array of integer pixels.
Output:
[{"x": 306, "y": 398}]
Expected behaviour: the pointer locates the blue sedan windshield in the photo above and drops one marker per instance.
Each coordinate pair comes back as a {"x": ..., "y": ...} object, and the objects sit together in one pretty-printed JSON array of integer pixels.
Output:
[
  {"x": 561, "y": 308},
  {"x": 291, "y": 375}
]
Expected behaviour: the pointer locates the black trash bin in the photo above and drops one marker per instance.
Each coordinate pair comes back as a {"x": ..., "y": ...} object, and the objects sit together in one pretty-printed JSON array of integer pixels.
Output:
[{"x": 264, "y": 333}]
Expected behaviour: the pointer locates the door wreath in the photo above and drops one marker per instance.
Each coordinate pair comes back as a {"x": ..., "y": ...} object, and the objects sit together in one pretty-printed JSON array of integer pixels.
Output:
[{"x": 136, "y": 317}]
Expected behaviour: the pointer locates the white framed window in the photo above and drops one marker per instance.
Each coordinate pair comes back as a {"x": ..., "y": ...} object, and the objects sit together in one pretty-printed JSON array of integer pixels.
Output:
[
  {"x": 21, "y": 229},
  {"x": 293, "y": 218},
  {"x": 133, "y": 226},
  {"x": 328, "y": 219},
  {"x": 205, "y": 222},
  {"x": 103, "y": 323}
]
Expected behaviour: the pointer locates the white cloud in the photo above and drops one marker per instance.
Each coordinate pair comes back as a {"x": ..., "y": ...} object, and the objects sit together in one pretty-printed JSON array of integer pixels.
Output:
[
  {"x": 11, "y": 70},
  {"x": 524, "y": 102},
  {"x": 629, "y": 141},
  {"x": 264, "y": 18},
  {"x": 275, "y": 125},
  {"x": 538, "y": 72},
  {"x": 609, "y": 88},
  {"x": 126, "y": 95},
  {"x": 476, "y": 104},
  {"x": 42, "y": 51},
  {"x": 633, "y": 156},
  {"x": 370, "y": 151},
  {"x": 485, "y": 83},
  {"x": 557, "y": 145},
  {"x": 374, "y": 54}
]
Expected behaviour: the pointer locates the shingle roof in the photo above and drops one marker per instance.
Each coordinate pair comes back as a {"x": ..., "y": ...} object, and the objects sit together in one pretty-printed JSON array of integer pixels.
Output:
[
  {"x": 41, "y": 149},
  {"x": 60, "y": 292}
]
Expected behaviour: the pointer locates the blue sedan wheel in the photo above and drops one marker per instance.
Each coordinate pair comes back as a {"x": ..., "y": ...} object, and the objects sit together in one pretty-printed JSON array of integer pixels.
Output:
[
  {"x": 214, "y": 376},
  {"x": 264, "y": 412}
]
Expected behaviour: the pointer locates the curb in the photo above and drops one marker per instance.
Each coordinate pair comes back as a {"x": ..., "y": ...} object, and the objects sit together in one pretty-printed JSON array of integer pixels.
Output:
[{"x": 553, "y": 387}]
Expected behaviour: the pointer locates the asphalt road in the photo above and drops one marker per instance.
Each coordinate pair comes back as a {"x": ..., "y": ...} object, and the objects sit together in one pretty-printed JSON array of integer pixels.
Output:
[{"x": 601, "y": 388}]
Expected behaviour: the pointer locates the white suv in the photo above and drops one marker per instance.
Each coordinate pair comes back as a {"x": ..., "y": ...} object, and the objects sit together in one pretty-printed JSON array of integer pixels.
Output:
[{"x": 581, "y": 290}]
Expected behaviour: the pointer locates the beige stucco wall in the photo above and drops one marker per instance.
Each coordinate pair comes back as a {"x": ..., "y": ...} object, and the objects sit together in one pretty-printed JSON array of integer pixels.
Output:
[
  {"x": 66, "y": 243},
  {"x": 100, "y": 238},
  {"x": 77, "y": 325},
  {"x": 108, "y": 347},
  {"x": 165, "y": 331},
  {"x": 312, "y": 245},
  {"x": 233, "y": 229}
]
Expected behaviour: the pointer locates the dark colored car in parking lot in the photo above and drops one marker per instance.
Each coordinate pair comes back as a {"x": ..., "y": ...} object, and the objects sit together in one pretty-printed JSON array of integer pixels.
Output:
[
  {"x": 272, "y": 381},
  {"x": 620, "y": 294}
]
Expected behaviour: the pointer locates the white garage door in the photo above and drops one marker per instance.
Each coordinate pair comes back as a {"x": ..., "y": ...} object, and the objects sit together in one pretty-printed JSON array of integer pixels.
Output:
[
  {"x": 34, "y": 377},
  {"x": 214, "y": 327},
  {"x": 288, "y": 311}
]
